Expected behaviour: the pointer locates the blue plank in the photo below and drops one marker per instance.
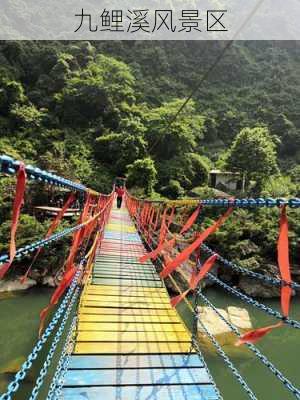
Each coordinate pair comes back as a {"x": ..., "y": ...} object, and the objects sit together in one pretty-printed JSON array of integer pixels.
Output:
[
  {"x": 184, "y": 392},
  {"x": 136, "y": 361},
  {"x": 147, "y": 376}
]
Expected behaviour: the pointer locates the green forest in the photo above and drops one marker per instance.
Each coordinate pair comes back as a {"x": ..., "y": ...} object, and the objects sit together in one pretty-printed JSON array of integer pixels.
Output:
[{"x": 91, "y": 111}]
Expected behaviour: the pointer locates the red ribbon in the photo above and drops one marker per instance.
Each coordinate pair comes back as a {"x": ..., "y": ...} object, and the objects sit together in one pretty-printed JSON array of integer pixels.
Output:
[
  {"x": 186, "y": 253},
  {"x": 162, "y": 235},
  {"x": 18, "y": 203},
  {"x": 284, "y": 262},
  {"x": 255, "y": 335},
  {"x": 78, "y": 235},
  {"x": 191, "y": 220},
  {"x": 196, "y": 278},
  {"x": 59, "y": 291},
  {"x": 52, "y": 228},
  {"x": 206, "y": 267}
]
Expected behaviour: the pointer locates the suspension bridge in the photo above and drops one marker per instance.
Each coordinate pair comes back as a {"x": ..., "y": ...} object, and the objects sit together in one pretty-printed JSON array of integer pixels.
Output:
[{"x": 110, "y": 329}]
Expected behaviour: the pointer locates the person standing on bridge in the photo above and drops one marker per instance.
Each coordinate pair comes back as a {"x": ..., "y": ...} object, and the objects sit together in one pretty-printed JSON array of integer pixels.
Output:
[{"x": 120, "y": 193}]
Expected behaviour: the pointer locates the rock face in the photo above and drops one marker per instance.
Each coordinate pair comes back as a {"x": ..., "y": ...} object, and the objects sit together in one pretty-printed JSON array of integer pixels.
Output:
[
  {"x": 239, "y": 317},
  {"x": 15, "y": 285},
  {"x": 257, "y": 289}
]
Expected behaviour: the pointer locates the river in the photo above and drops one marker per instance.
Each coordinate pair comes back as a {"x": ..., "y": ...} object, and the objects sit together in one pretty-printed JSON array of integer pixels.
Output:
[{"x": 19, "y": 318}]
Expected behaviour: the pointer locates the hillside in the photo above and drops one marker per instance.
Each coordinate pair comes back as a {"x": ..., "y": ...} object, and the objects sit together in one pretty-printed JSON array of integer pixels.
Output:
[{"x": 91, "y": 111}]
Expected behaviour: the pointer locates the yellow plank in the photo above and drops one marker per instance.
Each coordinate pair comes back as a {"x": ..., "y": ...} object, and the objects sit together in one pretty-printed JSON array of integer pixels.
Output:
[
  {"x": 124, "y": 289},
  {"x": 124, "y": 311},
  {"x": 129, "y": 327},
  {"x": 131, "y": 348},
  {"x": 130, "y": 318},
  {"x": 124, "y": 304},
  {"x": 124, "y": 230},
  {"x": 124, "y": 299},
  {"x": 155, "y": 297},
  {"x": 133, "y": 337}
]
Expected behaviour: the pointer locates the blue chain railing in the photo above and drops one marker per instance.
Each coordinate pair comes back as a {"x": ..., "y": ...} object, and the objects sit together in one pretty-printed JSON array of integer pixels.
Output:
[
  {"x": 286, "y": 382},
  {"x": 252, "y": 203},
  {"x": 224, "y": 356},
  {"x": 249, "y": 300},
  {"x": 10, "y": 166},
  {"x": 30, "y": 248},
  {"x": 63, "y": 364},
  {"x": 27, "y": 365},
  {"x": 44, "y": 370},
  {"x": 255, "y": 275}
]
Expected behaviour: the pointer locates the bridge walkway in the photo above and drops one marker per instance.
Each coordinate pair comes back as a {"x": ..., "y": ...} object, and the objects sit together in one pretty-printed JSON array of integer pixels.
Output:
[{"x": 130, "y": 343}]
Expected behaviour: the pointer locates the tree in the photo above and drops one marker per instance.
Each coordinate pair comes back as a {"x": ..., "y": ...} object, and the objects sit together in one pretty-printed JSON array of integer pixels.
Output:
[
  {"x": 166, "y": 141},
  {"x": 99, "y": 93},
  {"x": 188, "y": 170},
  {"x": 120, "y": 150},
  {"x": 253, "y": 153},
  {"x": 142, "y": 173}
]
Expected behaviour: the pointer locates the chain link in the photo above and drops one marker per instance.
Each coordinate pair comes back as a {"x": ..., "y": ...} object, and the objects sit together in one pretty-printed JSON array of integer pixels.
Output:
[
  {"x": 221, "y": 352},
  {"x": 26, "y": 366},
  {"x": 254, "y": 349},
  {"x": 255, "y": 275},
  {"x": 55, "y": 390},
  {"x": 24, "y": 251},
  {"x": 249, "y": 300},
  {"x": 195, "y": 346},
  {"x": 43, "y": 372}
]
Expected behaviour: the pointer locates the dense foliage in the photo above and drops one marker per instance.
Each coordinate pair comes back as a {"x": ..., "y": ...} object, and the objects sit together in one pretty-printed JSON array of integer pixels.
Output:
[{"x": 92, "y": 111}]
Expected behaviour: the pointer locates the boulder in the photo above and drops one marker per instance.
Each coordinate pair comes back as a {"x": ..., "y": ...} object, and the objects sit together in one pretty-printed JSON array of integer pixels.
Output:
[
  {"x": 15, "y": 285},
  {"x": 213, "y": 323},
  {"x": 49, "y": 281},
  {"x": 239, "y": 317},
  {"x": 255, "y": 288}
]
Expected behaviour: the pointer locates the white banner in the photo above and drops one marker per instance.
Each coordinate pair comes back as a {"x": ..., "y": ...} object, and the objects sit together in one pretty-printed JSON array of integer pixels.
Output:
[{"x": 150, "y": 20}]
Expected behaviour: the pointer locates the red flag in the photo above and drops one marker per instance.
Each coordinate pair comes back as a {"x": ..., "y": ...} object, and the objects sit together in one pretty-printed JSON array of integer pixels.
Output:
[
  {"x": 154, "y": 254},
  {"x": 283, "y": 262},
  {"x": 286, "y": 291},
  {"x": 18, "y": 203},
  {"x": 206, "y": 267},
  {"x": 186, "y": 253},
  {"x": 59, "y": 291},
  {"x": 162, "y": 234},
  {"x": 255, "y": 335},
  {"x": 51, "y": 229},
  {"x": 191, "y": 220},
  {"x": 78, "y": 235},
  {"x": 177, "y": 299}
]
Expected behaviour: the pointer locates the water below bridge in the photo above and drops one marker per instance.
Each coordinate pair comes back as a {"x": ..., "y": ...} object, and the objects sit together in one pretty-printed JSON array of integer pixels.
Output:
[{"x": 19, "y": 316}]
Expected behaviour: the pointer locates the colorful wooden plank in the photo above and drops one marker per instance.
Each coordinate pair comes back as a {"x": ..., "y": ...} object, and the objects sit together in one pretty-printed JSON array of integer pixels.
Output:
[
  {"x": 143, "y": 376},
  {"x": 158, "y": 392},
  {"x": 120, "y": 304},
  {"x": 133, "y": 337},
  {"x": 145, "y": 319},
  {"x": 130, "y": 327},
  {"x": 136, "y": 361},
  {"x": 117, "y": 298},
  {"x": 126, "y": 282},
  {"x": 128, "y": 311},
  {"x": 131, "y": 347}
]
